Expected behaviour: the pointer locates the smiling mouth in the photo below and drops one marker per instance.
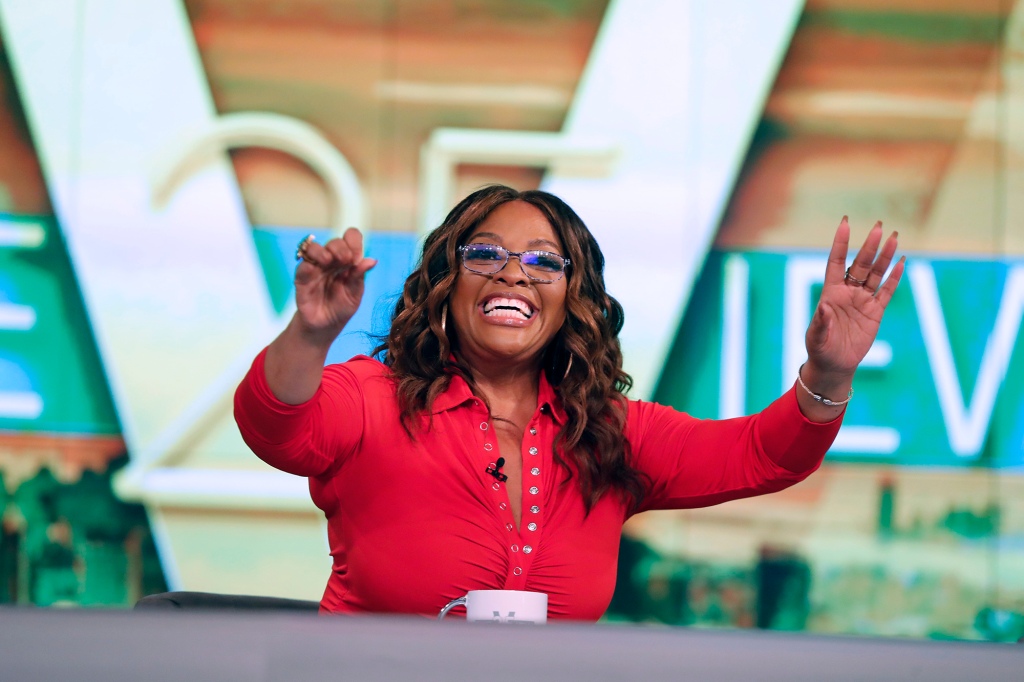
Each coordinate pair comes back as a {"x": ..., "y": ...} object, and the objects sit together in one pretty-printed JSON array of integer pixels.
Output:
[{"x": 508, "y": 307}]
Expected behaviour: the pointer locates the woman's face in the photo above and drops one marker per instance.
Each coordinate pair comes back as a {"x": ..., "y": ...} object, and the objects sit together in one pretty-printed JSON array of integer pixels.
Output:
[{"x": 506, "y": 316}]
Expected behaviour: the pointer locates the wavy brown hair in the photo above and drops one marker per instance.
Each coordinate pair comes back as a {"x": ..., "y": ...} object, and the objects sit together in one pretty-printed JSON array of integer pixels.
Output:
[{"x": 592, "y": 444}]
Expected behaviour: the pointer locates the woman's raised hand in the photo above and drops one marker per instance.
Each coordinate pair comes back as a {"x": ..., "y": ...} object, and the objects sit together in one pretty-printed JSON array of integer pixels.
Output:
[
  {"x": 329, "y": 283},
  {"x": 852, "y": 302},
  {"x": 328, "y": 290}
]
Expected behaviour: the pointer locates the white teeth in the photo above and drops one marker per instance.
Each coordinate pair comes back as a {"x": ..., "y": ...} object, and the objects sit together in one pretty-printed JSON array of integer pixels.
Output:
[{"x": 508, "y": 307}]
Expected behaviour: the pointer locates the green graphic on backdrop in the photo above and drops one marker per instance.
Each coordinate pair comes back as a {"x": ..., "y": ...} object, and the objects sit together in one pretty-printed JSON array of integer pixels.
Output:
[
  {"x": 946, "y": 389},
  {"x": 49, "y": 367}
]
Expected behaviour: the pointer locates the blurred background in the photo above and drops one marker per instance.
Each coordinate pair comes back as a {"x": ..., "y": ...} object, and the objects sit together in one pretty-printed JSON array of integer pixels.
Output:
[{"x": 159, "y": 161}]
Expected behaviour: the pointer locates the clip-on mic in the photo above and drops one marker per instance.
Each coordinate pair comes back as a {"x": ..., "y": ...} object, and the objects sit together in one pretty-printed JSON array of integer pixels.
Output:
[{"x": 494, "y": 470}]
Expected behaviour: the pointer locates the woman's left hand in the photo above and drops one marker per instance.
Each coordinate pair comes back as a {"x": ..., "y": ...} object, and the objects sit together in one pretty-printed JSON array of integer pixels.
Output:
[{"x": 849, "y": 311}]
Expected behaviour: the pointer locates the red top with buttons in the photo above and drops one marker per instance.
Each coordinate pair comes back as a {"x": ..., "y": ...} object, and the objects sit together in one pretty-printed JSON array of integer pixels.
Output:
[{"x": 415, "y": 523}]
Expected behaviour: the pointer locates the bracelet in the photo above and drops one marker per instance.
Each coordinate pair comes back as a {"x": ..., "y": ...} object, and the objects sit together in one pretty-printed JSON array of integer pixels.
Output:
[{"x": 820, "y": 398}]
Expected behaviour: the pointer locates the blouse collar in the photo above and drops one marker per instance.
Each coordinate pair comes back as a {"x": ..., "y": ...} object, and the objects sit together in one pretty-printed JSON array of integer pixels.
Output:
[{"x": 458, "y": 393}]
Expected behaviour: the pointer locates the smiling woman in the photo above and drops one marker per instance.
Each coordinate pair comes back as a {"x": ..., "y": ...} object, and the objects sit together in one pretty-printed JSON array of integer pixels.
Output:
[{"x": 491, "y": 446}]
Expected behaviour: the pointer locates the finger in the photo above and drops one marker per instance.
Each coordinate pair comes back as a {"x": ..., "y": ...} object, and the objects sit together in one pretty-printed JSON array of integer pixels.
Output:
[
  {"x": 886, "y": 291},
  {"x": 342, "y": 253},
  {"x": 817, "y": 330},
  {"x": 837, "y": 255},
  {"x": 364, "y": 266},
  {"x": 354, "y": 275},
  {"x": 349, "y": 251},
  {"x": 866, "y": 255},
  {"x": 307, "y": 271},
  {"x": 881, "y": 264},
  {"x": 354, "y": 239},
  {"x": 316, "y": 261},
  {"x": 315, "y": 254}
]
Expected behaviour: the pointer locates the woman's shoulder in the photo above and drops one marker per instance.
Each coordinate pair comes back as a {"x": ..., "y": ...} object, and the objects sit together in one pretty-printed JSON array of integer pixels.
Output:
[
  {"x": 360, "y": 365},
  {"x": 644, "y": 417},
  {"x": 360, "y": 371},
  {"x": 362, "y": 378}
]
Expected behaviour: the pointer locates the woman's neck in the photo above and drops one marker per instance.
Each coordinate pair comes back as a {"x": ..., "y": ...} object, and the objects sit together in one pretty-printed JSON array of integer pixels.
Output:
[{"x": 509, "y": 391}]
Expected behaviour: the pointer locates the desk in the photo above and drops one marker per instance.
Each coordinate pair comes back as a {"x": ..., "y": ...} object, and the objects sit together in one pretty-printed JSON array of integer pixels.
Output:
[{"x": 108, "y": 646}]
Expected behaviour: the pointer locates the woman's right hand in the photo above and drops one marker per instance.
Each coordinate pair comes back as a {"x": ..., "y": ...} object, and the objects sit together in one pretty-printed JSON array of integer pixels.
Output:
[
  {"x": 328, "y": 290},
  {"x": 329, "y": 284}
]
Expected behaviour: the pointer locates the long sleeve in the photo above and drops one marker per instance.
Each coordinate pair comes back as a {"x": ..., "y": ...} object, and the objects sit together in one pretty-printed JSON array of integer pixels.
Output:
[
  {"x": 697, "y": 462},
  {"x": 310, "y": 439}
]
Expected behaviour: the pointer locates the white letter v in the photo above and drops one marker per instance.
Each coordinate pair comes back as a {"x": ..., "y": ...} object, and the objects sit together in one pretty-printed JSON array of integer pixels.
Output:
[{"x": 966, "y": 425}]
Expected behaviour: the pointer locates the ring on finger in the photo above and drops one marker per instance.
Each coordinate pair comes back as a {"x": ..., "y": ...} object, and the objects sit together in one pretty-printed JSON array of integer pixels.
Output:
[
  {"x": 300, "y": 250},
  {"x": 851, "y": 278}
]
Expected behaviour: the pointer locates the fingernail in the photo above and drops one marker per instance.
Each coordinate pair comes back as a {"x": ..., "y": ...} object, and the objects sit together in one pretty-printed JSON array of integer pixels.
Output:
[
  {"x": 845, "y": 219},
  {"x": 895, "y": 234}
]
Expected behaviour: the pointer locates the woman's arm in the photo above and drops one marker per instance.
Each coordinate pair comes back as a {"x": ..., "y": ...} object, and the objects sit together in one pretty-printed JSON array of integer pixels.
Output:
[
  {"x": 329, "y": 284},
  {"x": 694, "y": 462},
  {"x": 273, "y": 405}
]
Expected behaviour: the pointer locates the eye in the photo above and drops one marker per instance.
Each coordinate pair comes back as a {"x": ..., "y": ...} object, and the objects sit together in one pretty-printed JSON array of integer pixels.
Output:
[
  {"x": 483, "y": 253},
  {"x": 544, "y": 260}
]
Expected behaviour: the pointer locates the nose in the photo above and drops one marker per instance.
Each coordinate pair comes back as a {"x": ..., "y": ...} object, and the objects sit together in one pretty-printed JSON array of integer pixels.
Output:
[{"x": 510, "y": 274}]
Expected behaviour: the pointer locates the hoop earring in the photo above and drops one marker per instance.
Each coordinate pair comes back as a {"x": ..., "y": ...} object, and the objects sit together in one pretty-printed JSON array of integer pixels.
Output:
[
  {"x": 567, "y": 368},
  {"x": 444, "y": 318}
]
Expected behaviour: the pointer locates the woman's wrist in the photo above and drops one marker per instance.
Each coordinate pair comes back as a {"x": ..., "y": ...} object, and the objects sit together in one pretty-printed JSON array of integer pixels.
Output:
[
  {"x": 822, "y": 394},
  {"x": 318, "y": 338},
  {"x": 294, "y": 362},
  {"x": 825, "y": 381}
]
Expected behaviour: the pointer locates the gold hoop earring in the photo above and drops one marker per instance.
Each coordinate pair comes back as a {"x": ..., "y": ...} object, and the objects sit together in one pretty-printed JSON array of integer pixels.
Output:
[
  {"x": 567, "y": 368},
  {"x": 444, "y": 318}
]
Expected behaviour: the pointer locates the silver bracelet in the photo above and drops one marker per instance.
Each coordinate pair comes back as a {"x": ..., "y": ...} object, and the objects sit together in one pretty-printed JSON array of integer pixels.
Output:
[{"x": 820, "y": 398}]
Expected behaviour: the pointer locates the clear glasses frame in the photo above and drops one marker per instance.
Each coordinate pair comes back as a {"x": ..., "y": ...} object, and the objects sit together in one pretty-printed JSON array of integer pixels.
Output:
[{"x": 498, "y": 265}]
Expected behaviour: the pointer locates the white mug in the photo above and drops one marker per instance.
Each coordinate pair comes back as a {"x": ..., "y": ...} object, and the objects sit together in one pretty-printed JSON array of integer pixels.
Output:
[{"x": 502, "y": 606}]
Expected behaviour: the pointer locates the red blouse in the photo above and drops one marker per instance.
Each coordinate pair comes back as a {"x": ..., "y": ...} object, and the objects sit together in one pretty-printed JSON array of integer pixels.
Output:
[{"x": 414, "y": 523}]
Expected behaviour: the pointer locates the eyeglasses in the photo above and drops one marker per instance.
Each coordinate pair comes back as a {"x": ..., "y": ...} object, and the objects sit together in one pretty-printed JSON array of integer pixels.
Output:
[{"x": 488, "y": 259}]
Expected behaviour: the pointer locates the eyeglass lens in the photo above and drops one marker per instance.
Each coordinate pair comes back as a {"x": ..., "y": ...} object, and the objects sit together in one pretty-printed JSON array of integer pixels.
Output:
[{"x": 489, "y": 258}]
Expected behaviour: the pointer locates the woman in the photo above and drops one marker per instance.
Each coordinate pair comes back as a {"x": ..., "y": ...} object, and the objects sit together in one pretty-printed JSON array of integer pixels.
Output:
[{"x": 492, "y": 447}]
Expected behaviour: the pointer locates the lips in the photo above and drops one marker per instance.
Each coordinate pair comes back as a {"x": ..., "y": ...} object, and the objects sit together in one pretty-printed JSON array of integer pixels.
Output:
[{"x": 511, "y": 306}]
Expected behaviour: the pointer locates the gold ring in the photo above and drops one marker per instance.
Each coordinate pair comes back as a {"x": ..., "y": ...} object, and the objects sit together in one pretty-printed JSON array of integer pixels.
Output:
[{"x": 300, "y": 251}]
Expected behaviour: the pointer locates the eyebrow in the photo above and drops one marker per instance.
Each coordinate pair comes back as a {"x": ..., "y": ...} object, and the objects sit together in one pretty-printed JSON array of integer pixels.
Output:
[{"x": 532, "y": 243}]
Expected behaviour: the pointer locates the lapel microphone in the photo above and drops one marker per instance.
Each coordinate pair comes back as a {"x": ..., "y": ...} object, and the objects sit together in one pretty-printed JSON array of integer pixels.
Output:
[{"x": 494, "y": 470}]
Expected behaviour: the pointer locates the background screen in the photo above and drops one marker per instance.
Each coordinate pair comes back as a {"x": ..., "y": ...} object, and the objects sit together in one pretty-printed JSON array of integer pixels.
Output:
[{"x": 159, "y": 162}]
